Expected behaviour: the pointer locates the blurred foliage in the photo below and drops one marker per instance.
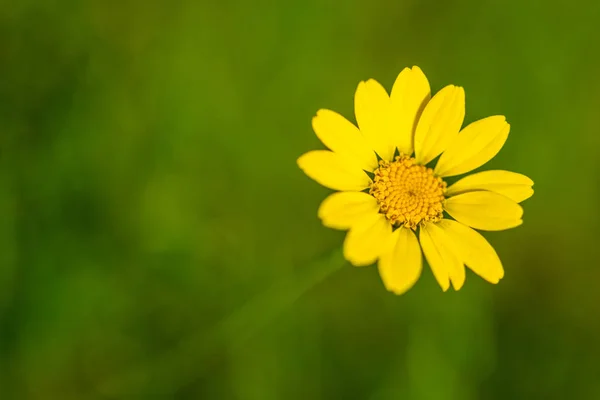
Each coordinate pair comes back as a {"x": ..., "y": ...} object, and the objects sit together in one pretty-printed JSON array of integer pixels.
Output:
[{"x": 157, "y": 239}]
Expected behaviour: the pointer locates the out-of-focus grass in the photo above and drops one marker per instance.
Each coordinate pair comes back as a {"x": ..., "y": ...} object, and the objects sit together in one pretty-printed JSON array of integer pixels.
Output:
[{"x": 148, "y": 190}]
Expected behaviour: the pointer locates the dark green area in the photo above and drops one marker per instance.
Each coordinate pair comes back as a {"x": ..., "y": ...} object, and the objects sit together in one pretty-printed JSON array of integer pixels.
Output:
[{"x": 157, "y": 240}]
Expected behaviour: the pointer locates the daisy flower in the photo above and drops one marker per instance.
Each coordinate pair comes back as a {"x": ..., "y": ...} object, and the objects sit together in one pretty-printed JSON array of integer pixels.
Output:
[{"x": 393, "y": 204}]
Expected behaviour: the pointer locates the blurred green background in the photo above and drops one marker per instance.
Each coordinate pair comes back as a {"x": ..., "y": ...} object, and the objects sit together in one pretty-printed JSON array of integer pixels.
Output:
[{"x": 157, "y": 240}]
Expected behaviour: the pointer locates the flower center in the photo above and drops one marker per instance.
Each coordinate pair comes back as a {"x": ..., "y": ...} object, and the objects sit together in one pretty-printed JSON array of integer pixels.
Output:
[{"x": 408, "y": 194}]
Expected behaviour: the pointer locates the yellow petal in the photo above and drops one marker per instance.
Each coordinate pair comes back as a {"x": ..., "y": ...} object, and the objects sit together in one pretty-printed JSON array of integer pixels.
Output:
[
  {"x": 442, "y": 257},
  {"x": 372, "y": 109},
  {"x": 400, "y": 267},
  {"x": 366, "y": 241},
  {"x": 474, "y": 146},
  {"x": 434, "y": 259},
  {"x": 474, "y": 250},
  {"x": 516, "y": 187},
  {"x": 333, "y": 171},
  {"x": 410, "y": 94},
  {"x": 440, "y": 123},
  {"x": 483, "y": 210},
  {"x": 343, "y": 138},
  {"x": 342, "y": 210}
]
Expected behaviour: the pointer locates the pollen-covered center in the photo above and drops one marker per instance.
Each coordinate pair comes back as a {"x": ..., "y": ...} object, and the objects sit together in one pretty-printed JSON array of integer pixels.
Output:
[{"x": 408, "y": 193}]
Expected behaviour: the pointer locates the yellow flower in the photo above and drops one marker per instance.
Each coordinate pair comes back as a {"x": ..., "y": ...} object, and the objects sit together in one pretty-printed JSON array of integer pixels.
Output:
[{"x": 386, "y": 191}]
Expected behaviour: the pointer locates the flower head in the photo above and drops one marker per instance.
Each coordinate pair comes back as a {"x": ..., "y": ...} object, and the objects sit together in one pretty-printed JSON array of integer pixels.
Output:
[{"x": 387, "y": 195}]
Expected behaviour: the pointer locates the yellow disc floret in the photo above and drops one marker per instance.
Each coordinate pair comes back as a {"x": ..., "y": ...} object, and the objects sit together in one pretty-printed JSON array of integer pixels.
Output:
[{"x": 408, "y": 194}]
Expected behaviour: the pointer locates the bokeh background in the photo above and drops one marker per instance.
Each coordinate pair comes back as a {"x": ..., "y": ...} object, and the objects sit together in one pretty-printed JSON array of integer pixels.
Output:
[{"x": 157, "y": 240}]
